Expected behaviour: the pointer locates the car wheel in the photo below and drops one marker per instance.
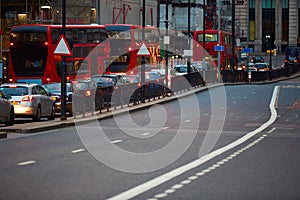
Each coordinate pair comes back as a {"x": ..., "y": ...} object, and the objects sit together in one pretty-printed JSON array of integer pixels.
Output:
[
  {"x": 11, "y": 119},
  {"x": 52, "y": 116},
  {"x": 37, "y": 116}
]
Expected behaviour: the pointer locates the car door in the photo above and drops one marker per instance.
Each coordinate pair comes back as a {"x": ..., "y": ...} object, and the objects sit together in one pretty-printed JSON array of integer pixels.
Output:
[
  {"x": 39, "y": 94},
  {"x": 4, "y": 106}
]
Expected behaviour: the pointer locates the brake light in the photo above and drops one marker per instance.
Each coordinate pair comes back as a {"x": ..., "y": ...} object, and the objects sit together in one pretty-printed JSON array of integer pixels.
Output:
[
  {"x": 129, "y": 48},
  {"x": 11, "y": 44},
  {"x": 48, "y": 79},
  {"x": 46, "y": 43},
  {"x": 87, "y": 93},
  {"x": 28, "y": 98}
]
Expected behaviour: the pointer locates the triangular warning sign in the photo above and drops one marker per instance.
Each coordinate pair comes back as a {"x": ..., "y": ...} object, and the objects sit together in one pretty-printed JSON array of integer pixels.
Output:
[
  {"x": 143, "y": 51},
  {"x": 62, "y": 47}
]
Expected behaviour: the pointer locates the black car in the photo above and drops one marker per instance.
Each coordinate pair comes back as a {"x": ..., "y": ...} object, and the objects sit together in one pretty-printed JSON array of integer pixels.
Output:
[
  {"x": 107, "y": 85},
  {"x": 83, "y": 96},
  {"x": 257, "y": 59},
  {"x": 54, "y": 89}
]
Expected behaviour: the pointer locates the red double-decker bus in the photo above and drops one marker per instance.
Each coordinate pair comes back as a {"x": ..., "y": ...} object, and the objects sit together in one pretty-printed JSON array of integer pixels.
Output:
[
  {"x": 211, "y": 40},
  {"x": 125, "y": 40},
  {"x": 32, "y": 57}
]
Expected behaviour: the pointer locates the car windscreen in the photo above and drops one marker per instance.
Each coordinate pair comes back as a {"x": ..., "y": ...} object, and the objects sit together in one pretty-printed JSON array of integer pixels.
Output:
[
  {"x": 14, "y": 91},
  {"x": 104, "y": 81}
]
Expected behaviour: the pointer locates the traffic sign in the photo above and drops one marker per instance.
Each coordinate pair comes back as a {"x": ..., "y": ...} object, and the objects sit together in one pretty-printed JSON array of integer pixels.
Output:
[
  {"x": 248, "y": 50},
  {"x": 143, "y": 51},
  {"x": 63, "y": 47},
  {"x": 218, "y": 48}
]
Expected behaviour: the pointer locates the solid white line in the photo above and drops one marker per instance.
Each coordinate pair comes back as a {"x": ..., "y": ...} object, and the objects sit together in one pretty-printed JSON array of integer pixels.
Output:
[
  {"x": 77, "y": 150},
  {"x": 135, "y": 191},
  {"x": 26, "y": 163},
  {"x": 116, "y": 141}
]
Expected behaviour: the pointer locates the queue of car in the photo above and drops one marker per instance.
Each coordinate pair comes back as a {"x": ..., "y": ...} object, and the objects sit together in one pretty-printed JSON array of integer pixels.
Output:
[{"x": 32, "y": 100}]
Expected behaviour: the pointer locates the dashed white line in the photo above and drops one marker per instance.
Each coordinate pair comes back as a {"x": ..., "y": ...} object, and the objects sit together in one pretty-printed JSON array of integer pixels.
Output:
[
  {"x": 77, "y": 150},
  {"x": 116, "y": 141},
  {"x": 29, "y": 162},
  {"x": 145, "y": 134},
  {"x": 166, "y": 127},
  {"x": 187, "y": 120}
]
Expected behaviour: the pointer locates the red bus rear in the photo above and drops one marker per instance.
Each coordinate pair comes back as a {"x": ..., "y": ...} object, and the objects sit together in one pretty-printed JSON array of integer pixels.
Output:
[
  {"x": 32, "y": 57},
  {"x": 125, "y": 40},
  {"x": 211, "y": 40}
]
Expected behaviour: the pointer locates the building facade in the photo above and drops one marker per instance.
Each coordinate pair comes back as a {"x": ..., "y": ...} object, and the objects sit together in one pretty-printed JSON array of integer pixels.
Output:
[{"x": 257, "y": 20}]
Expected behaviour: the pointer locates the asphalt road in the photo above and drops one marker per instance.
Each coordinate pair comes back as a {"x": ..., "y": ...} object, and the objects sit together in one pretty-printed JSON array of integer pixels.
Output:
[{"x": 248, "y": 134}]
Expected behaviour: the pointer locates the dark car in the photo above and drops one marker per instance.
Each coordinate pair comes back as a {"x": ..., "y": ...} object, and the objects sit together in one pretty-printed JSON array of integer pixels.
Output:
[
  {"x": 108, "y": 79},
  {"x": 54, "y": 90},
  {"x": 257, "y": 59},
  {"x": 107, "y": 84},
  {"x": 83, "y": 98}
]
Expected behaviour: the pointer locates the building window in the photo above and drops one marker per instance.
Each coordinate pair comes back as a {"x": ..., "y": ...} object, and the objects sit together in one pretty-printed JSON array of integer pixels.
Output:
[
  {"x": 252, "y": 4},
  {"x": 267, "y": 4}
]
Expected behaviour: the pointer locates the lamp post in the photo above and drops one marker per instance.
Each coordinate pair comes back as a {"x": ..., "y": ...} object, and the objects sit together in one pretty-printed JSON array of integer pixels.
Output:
[
  {"x": 63, "y": 67},
  {"x": 270, "y": 43},
  {"x": 143, "y": 57},
  {"x": 166, "y": 43},
  {"x": 233, "y": 35}
]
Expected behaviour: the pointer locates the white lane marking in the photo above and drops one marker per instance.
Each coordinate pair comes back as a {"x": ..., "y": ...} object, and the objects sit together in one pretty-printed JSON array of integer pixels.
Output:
[
  {"x": 205, "y": 114},
  {"x": 187, "y": 121},
  {"x": 26, "y": 163},
  {"x": 272, "y": 130},
  {"x": 116, "y": 141},
  {"x": 77, "y": 150},
  {"x": 256, "y": 118},
  {"x": 139, "y": 189},
  {"x": 166, "y": 127},
  {"x": 145, "y": 134},
  {"x": 211, "y": 168}
]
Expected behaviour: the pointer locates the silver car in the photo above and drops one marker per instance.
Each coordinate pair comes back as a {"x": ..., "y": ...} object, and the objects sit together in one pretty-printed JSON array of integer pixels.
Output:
[
  {"x": 29, "y": 100},
  {"x": 7, "y": 114}
]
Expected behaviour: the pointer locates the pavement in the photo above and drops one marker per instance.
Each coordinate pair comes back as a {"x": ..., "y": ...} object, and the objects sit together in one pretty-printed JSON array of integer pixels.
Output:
[{"x": 45, "y": 125}]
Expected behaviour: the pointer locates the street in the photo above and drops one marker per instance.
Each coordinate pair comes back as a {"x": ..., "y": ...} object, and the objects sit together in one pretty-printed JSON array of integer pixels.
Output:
[{"x": 247, "y": 137}]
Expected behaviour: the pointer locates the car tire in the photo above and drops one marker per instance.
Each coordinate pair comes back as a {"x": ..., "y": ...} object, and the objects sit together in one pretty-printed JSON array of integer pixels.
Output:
[
  {"x": 52, "y": 116},
  {"x": 11, "y": 120},
  {"x": 37, "y": 116}
]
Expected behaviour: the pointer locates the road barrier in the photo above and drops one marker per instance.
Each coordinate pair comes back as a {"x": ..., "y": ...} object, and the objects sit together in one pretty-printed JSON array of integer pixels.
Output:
[{"x": 107, "y": 97}]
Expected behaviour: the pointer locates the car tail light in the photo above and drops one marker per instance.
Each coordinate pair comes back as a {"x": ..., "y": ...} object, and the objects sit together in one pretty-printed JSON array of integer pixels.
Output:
[
  {"x": 11, "y": 44},
  {"x": 87, "y": 93},
  {"x": 28, "y": 98}
]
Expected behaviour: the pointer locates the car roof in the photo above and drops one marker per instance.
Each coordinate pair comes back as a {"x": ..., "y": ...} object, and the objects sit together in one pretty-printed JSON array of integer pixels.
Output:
[{"x": 20, "y": 84}]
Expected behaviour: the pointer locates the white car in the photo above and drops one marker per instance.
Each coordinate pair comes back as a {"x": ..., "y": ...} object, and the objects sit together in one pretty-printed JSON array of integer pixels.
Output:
[
  {"x": 29, "y": 100},
  {"x": 183, "y": 69},
  {"x": 7, "y": 114}
]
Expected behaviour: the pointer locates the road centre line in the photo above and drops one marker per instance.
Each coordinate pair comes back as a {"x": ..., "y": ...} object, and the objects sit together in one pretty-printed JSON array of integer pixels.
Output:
[
  {"x": 116, "y": 141},
  {"x": 272, "y": 130},
  {"x": 77, "y": 150},
  {"x": 139, "y": 189},
  {"x": 26, "y": 163}
]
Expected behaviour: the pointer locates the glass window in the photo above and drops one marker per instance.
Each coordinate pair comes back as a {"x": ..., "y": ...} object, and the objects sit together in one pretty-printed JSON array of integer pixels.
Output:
[{"x": 208, "y": 37}]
